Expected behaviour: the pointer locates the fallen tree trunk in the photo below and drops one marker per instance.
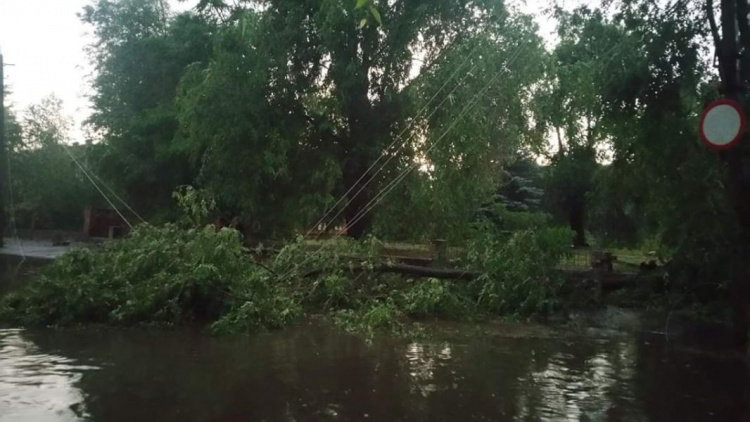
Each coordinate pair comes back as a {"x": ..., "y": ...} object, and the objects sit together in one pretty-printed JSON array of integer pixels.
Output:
[
  {"x": 426, "y": 272},
  {"x": 406, "y": 269}
]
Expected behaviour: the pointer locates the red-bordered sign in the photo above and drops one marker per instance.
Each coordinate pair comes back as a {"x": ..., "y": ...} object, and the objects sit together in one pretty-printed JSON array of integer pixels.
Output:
[{"x": 722, "y": 125}]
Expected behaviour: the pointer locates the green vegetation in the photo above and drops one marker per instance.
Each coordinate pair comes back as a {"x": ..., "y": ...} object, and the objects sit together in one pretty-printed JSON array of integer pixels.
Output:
[
  {"x": 160, "y": 275},
  {"x": 176, "y": 274},
  {"x": 49, "y": 190},
  {"x": 428, "y": 119}
]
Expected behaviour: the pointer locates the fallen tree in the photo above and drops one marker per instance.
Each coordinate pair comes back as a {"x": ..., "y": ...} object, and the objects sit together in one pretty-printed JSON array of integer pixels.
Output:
[{"x": 407, "y": 269}]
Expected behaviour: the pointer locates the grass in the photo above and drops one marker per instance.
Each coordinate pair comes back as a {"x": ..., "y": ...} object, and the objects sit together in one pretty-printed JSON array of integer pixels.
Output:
[{"x": 628, "y": 260}]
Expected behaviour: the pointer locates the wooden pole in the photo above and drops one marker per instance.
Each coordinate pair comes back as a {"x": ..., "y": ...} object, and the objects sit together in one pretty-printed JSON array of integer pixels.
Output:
[{"x": 3, "y": 159}]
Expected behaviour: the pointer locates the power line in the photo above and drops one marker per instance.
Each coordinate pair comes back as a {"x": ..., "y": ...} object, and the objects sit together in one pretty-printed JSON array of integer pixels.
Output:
[
  {"x": 399, "y": 178},
  {"x": 396, "y": 139},
  {"x": 117, "y": 197},
  {"x": 106, "y": 198},
  {"x": 111, "y": 191},
  {"x": 374, "y": 202},
  {"x": 393, "y": 155}
]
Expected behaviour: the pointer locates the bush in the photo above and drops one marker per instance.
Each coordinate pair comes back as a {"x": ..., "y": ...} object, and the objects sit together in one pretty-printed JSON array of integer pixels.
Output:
[
  {"x": 433, "y": 297},
  {"x": 496, "y": 217},
  {"x": 156, "y": 275},
  {"x": 519, "y": 276},
  {"x": 172, "y": 275}
]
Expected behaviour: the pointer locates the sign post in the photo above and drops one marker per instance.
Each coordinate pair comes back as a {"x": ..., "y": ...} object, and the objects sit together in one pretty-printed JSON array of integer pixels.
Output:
[{"x": 722, "y": 125}]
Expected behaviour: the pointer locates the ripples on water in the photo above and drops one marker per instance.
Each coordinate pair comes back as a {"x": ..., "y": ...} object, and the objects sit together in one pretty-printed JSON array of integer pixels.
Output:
[
  {"x": 313, "y": 372},
  {"x": 36, "y": 386}
]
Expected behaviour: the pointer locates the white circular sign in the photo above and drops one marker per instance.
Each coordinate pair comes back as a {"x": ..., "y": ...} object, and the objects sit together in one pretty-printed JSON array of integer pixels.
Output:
[{"x": 722, "y": 124}]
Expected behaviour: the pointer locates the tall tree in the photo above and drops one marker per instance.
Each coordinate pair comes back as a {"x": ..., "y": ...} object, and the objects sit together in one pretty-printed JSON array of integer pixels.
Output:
[
  {"x": 49, "y": 190},
  {"x": 139, "y": 55},
  {"x": 651, "y": 100},
  {"x": 340, "y": 90},
  {"x": 732, "y": 44},
  {"x": 570, "y": 110}
]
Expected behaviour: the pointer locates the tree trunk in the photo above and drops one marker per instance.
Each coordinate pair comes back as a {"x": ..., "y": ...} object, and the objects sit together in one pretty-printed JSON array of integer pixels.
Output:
[
  {"x": 734, "y": 74},
  {"x": 358, "y": 219},
  {"x": 577, "y": 221},
  {"x": 369, "y": 118},
  {"x": 739, "y": 170},
  {"x": 739, "y": 195},
  {"x": 413, "y": 270},
  {"x": 358, "y": 153}
]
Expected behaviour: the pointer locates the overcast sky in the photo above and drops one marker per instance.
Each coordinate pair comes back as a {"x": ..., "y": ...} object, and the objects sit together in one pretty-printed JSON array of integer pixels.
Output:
[{"x": 44, "y": 41}]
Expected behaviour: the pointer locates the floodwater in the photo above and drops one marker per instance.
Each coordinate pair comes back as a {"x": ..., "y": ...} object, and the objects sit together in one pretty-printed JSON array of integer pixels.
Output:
[{"x": 612, "y": 367}]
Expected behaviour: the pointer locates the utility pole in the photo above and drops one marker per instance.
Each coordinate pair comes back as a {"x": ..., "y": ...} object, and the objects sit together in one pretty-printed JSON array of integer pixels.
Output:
[{"x": 3, "y": 153}]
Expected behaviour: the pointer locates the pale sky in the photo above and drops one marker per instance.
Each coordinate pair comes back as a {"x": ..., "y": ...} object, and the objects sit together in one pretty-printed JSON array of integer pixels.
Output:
[{"x": 44, "y": 41}]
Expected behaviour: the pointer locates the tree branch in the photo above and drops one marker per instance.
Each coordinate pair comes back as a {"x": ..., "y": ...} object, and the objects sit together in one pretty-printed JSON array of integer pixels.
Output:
[
  {"x": 560, "y": 146},
  {"x": 729, "y": 52},
  {"x": 260, "y": 264},
  {"x": 742, "y": 24},
  {"x": 714, "y": 30}
]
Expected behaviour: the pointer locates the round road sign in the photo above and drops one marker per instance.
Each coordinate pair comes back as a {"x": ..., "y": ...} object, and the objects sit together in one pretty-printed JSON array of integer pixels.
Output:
[{"x": 722, "y": 125}]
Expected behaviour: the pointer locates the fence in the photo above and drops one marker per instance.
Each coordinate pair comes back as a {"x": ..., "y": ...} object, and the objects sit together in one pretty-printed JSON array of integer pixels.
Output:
[{"x": 625, "y": 261}]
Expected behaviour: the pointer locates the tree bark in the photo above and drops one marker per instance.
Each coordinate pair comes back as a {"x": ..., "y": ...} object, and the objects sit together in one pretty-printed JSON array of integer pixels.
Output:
[
  {"x": 714, "y": 28},
  {"x": 3, "y": 154},
  {"x": 358, "y": 219},
  {"x": 744, "y": 50},
  {"x": 356, "y": 154},
  {"x": 406, "y": 269},
  {"x": 733, "y": 79},
  {"x": 577, "y": 221}
]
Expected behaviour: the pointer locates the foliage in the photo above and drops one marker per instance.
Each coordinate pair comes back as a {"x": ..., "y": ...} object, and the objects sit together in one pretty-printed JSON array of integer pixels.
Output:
[
  {"x": 495, "y": 217},
  {"x": 280, "y": 107},
  {"x": 275, "y": 109},
  {"x": 49, "y": 190},
  {"x": 139, "y": 55},
  {"x": 433, "y": 297},
  {"x": 615, "y": 212},
  {"x": 157, "y": 275},
  {"x": 242, "y": 136},
  {"x": 465, "y": 157},
  {"x": 519, "y": 274},
  {"x": 521, "y": 191},
  {"x": 670, "y": 184},
  {"x": 196, "y": 205},
  {"x": 622, "y": 101},
  {"x": 175, "y": 275},
  {"x": 570, "y": 180}
]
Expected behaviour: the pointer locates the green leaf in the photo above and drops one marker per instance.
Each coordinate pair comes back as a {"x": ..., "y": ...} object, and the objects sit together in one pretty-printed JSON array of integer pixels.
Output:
[
  {"x": 361, "y": 4},
  {"x": 376, "y": 14},
  {"x": 362, "y": 23}
]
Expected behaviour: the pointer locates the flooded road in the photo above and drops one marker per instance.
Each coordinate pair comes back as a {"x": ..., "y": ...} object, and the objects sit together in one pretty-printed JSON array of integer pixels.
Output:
[{"x": 316, "y": 372}]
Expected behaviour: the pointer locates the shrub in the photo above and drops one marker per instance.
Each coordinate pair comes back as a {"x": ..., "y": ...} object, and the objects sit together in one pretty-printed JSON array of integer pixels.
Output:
[
  {"x": 433, "y": 297},
  {"x": 171, "y": 275},
  {"x": 518, "y": 271},
  {"x": 156, "y": 275}
]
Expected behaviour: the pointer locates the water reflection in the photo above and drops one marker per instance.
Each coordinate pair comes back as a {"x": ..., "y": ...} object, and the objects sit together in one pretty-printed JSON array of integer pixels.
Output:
[
  {"x": 588, "y": 383},
  {"x": 314, "y": 372},
  {"x": 37, "y": 386},
  {"x": 423, "y": 360}
]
